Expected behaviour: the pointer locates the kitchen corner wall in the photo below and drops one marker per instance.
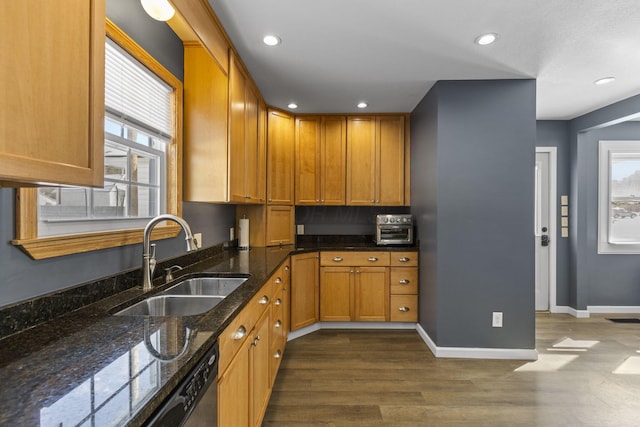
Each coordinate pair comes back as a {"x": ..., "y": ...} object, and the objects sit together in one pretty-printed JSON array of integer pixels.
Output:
[
  {"x": 24, "y": 278},
  {"x": 472, "y": 155}
]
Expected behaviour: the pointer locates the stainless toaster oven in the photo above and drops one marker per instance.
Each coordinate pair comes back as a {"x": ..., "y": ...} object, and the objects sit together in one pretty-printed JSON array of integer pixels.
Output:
[{"x": 394, "y": 229}]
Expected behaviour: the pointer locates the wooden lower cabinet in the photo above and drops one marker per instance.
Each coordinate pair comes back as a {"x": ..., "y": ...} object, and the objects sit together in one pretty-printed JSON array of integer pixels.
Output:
[
  {"x": 359, "y": 294},
  {"x": 259, "y": 368},
  {"x": 404, "y": 287},
  {"x": 304, "y": 290},
  {"x": 233, "y": 390}
]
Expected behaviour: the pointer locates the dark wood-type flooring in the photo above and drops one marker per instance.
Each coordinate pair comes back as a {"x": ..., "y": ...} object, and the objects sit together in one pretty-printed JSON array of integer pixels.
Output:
[{"x": 588, "y": 374}]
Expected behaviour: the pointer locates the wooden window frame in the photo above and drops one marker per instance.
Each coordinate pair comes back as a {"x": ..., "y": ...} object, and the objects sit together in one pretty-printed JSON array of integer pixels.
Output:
[{"x": 26, "y": 198}]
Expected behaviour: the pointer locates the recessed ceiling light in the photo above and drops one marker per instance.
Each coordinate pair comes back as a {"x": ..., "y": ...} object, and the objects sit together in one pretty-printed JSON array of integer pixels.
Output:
[
  {"x": 362, "y": 105},
  {"x": 604, "y": 81},
  {"x": 160, "y": 10},
  {"x": 271, "y": 40},
  {"x": 486, "y": 39},
  {"x": 293, "y": 105}
]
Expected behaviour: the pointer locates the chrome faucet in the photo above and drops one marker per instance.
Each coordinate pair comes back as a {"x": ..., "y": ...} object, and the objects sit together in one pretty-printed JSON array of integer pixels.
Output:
[{"x": 149, "y": 255}]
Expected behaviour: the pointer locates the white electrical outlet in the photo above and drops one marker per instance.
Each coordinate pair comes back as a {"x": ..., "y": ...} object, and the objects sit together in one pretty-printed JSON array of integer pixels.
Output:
[
  {"x": 198, "y": 237},
  {"x": 300, "y": 229},
  {"x": 496, "y": 320}
]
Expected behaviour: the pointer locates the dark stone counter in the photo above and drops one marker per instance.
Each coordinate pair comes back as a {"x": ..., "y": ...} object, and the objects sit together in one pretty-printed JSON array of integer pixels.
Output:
[{"x": 91, "y": 366}]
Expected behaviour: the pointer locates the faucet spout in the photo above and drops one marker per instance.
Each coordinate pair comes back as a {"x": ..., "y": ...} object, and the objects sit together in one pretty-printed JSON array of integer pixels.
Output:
[{"x": 148, "y": 256}]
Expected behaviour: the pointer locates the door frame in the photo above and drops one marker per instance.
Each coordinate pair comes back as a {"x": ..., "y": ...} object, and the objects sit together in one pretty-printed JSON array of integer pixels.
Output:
[{"x": 553, "y": 219}]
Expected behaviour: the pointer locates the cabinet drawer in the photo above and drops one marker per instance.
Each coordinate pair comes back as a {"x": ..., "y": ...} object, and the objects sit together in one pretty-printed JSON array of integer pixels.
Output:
[
  {"x": 404, "y": 308},
  {"x": 237, "y": 332},
  {"x": 404, "y": 280},
  {"x": 361, "y": 259},
  {"x": 404, "y": 259}
]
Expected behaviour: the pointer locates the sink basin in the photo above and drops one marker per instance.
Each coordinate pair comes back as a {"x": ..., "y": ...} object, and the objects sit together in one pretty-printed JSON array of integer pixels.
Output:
[
  {"x": 217, "y": 286},
  {"x": 172, "y": 305}
]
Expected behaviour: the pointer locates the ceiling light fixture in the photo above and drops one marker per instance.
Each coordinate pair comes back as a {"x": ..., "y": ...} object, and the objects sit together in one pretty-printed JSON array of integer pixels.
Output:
[
  {"x": 486, "y": 39},
  {"x": 604, "y": 81},
  {"x": 160, "y": 10},
  {"x": 271, "y": 40},
  {"x": 362, "y": 105},
  {"x": 293, "y": 105}
]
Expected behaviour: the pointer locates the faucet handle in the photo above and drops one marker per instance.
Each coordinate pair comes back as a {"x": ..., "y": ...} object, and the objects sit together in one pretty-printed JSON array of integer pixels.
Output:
[{"x": 169, "y": 272}]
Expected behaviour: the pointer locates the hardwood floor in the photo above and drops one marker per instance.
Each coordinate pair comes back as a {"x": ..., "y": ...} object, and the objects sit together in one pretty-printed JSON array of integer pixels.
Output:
[{"x": 390, "y": 378}]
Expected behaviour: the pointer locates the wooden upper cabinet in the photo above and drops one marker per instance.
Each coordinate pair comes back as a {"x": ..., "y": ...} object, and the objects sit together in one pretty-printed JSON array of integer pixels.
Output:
[
  {"x": 361, "y": 161},
  {"x": 320, "y": 160},
  {"x": 246, "y": 133},
  {"x": 280, "y": 165},
  {"x": 52, "y": 90},
  {"x": 376, "y": 160},
  {"x": 205, "y": 125}
]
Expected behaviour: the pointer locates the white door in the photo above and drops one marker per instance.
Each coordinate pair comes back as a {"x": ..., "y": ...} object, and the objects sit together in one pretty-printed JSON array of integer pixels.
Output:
[{"x": 545, "y": 227}]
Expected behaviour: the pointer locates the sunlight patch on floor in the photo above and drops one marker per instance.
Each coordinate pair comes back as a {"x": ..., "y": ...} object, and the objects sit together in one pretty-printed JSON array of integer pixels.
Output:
[
  {"x": 629, "y": 366},
  {"x": 548, "y": 363},
  {"x": 571, "y": 343}
]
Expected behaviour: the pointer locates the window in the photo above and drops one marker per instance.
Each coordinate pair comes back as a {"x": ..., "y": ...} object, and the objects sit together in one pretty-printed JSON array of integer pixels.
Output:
[
  {"x": 619, "y": 197},
  {"x": 142, "y": 124}
]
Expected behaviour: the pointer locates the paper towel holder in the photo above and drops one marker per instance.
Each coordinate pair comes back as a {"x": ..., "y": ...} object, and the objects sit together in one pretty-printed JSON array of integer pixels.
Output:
[{"x": 243, "y": 233}]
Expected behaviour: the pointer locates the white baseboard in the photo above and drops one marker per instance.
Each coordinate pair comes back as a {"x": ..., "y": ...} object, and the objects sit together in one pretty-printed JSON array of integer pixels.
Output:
[
  {"x": 476, "y": 353},
  {"x": 580, "y": 314},
  {"x": 614, "y": 309},
  {"x": 349, "y": 325}
]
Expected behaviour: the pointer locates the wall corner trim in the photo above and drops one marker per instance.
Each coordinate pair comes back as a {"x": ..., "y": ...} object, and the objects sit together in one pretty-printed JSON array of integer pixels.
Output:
[{"x": 477, "y": 352}]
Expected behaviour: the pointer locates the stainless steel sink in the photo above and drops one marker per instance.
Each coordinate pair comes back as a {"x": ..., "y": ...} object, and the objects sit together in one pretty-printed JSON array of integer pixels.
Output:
[
  {"x": 217, "y": 286},
  {"x": 172, "y": 305}
]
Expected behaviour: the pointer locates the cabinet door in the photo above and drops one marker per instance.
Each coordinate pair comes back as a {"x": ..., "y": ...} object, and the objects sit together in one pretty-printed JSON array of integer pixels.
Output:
[
  {"x": 52, "y": 86},
  {"x": 333, "y": 161},
  {"x": 336, "y": 290},
  {"x": 251, "y": 120},
  {"x": 390, "y": 164},
  {"x": 280, "y": 148},
  {"x": 280, "y": 225},
  {"x": 233, "y": 390},
  {"x": 304, "y": 290},
  {"x": 361, "y": 161},
  {"x": 260, "y": 381},
  {"x": 206, "y": 104},
  {"x": 307, "y": 164},
  {"x": 371, "y": 294},
  {"x": 237, "y": 129}
]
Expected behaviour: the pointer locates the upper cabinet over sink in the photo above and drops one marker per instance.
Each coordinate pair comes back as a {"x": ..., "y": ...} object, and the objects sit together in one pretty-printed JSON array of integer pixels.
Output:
[{"x": 52, "y": 90}]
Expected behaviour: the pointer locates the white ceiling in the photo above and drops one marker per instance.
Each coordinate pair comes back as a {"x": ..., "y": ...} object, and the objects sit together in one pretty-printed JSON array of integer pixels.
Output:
[{"x": 335, "y": 53}]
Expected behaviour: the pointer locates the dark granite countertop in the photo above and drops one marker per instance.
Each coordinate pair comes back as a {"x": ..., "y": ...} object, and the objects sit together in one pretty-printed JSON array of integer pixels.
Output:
[{"x": 89, "y": 366}]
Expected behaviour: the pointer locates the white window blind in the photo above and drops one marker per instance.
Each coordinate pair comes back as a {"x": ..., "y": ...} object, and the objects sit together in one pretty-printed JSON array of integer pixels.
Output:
[{"x": 134, "y": 93}]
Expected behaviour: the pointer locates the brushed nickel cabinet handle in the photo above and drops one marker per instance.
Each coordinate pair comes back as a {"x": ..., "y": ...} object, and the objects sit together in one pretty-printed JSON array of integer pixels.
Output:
[
  {"x": 404, "y": 259},
  {"x": 264, "y": 300},
  {"x": 404, "y": 308},
  {"x": 405, "y": 281},
  {"x": 240, "y": 333},
  {"x": 337, "y": 259},
  {"x": 372, "y": 259}
]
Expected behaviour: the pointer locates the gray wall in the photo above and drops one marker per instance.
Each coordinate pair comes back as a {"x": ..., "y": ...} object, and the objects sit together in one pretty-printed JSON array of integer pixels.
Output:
[
  {"x": 484, "y": 138},
  {"x": 555, "y": 133},
  {"x": 24, "y": 278}
]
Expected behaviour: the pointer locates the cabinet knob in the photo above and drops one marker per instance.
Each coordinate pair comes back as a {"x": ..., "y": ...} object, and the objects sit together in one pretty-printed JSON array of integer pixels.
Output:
[
  {"x": 286, "y": 268},
  {"x": 372, "y": 259},
  {"x": 405, "y": 281},
  {"x": 240, "y": 333},
  {"x": 264, "y": 300},
  {"x": 278, "y": 280},
  {"x": 277, "y": 355},
  {"x": 404, "y": 308},
  {"x": 404, "y": 259},
  {"x": 278, "y": 301},
  {"x": 337, "y": 259},
  {"x": 278, "y": 324}
]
